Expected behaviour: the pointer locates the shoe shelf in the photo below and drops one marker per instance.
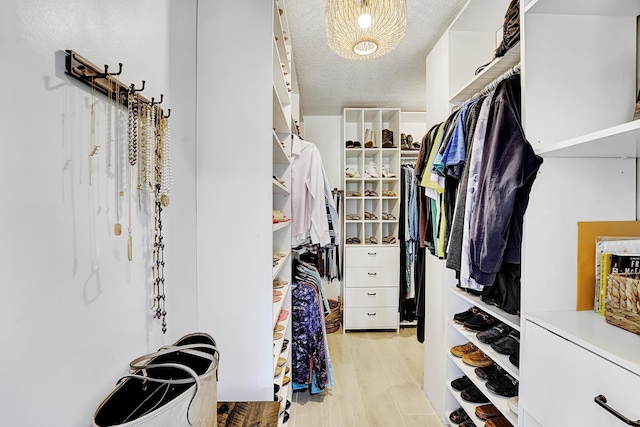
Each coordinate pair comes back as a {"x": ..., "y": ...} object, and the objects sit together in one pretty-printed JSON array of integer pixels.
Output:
[
  {"x": 277, "y": 306},
  {"x": 279, "y": 188},
  {"x": 510, "y": 319},
  {"x": 280, "y": 122},
  {"x": 279, "y": 154},
  {"x": 280, "y": 226},
  {"x": 281, "y": 263},
  {"x": 278, "y": 353},
  {"x": 279, "y": 79},
  {"x": 500, "y": 402},
  {"x": 498, "y": 358},
  {"x": 469, "y": 408}
]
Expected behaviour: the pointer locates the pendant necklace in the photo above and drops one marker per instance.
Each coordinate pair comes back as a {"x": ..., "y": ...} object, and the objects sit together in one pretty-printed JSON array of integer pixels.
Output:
[{"x": 132, "y": 109}]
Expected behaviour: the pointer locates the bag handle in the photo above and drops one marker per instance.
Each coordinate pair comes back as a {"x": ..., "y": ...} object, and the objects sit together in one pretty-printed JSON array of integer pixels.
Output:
[
  {"x": 136, "y": 364},
  {"x": 194, "y": 379}
]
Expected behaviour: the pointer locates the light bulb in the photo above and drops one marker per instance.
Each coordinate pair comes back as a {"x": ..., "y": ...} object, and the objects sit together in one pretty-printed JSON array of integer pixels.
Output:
[{"x": 364, "y": 21}]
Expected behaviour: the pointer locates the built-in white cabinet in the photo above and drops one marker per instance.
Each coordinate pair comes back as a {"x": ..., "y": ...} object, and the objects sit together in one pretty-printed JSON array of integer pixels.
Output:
[
  {"x": 370, "y": 219},
  {"x": 578, "y": 76}
]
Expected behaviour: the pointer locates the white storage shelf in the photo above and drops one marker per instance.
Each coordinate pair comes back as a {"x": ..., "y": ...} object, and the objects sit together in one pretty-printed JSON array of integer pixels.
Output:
[
  {"x": 281, "y": 263},
  {"x": 510, "y": 319},
  {"x": 279, "y": 188},
  {"x": 281, "y": 225},
  {"x": 492, "y": 71},
  {"x": 499, "y": 401},
  {"x": 498, "y": 358}
]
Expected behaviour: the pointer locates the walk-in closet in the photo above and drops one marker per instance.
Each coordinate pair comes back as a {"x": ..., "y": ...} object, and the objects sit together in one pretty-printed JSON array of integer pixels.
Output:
[{"x": 453, "y": 188}]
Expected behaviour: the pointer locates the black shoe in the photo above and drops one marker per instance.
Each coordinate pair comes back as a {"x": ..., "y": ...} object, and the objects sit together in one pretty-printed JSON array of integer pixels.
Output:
[
  {"x": 461, "y": 383},
  {"x": 515, "y": 359},
  {"x": 493, "y": 334},
  {"x": 505, "y": 385},
  {"x": 465, "y": 315},
  {"x": 467, "y": 424},
  {"x": 481, "y": 322},
  {"x": 474, "y": 395},
  {"x": 489, "y": 372},
  {"x": 507, "y": 345},
  {"x": 458, "y": 416}
]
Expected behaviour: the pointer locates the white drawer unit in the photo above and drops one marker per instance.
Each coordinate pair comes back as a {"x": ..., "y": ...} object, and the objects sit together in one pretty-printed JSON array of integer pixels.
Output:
[
  {"x": 366, "y": 277},
  {"x": 373, "y": 256},
  {"x": 371, "y": 297},
  {"x": 371, "y": 318},
  {"x": 568, "y": 382}
]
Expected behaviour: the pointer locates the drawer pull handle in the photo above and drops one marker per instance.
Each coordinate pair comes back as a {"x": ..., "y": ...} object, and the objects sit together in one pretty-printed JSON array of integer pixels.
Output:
[
  {"x": 372, "y": 294},
  {"x": 372, "y": 253},
  {"x": 602, "y": 401},
  {"x": 371, "y": 314},
  {"x": 372, "y": 274}
]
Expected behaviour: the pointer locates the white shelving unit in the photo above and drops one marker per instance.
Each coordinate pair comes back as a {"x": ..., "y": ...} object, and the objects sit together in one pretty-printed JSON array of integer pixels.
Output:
[{"x": 371, "y": 269}]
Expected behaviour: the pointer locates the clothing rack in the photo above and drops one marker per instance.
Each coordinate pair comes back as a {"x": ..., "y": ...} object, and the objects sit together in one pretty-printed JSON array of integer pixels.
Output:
[
  {"x": 408, "y": 162},
  {"x": 492, "y": 86}
]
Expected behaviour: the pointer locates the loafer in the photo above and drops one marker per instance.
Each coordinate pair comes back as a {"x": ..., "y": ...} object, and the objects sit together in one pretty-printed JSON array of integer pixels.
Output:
[
  {"x": 461, "y": 350},
  {"x": 505, "y": 385},
  {"x": 458, "y": 416},
  {"x": 493, "y": 334},
  {"x": 461, "y": 383},
  {"x": 508, "y": 345},
  {"x": 477, "y": 358},
  {"x": 481, "y": 322},
  {"x": 484, "y": 412},
  {"x": 465, "y": 315},
  {"x": 474, "y": 395},
  {"x": 498, "y": 422},
  {"x": 489, "y": 372}
]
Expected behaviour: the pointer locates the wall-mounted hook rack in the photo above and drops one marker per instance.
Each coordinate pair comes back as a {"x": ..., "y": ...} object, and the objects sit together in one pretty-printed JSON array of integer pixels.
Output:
[
  {"x": 103, "y": 81},
  {"x": 168, "y": 113}
]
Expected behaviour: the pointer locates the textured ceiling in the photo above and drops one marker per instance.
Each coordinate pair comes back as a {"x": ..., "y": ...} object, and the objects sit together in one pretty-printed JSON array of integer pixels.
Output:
[{"x": 328, "y": 82}]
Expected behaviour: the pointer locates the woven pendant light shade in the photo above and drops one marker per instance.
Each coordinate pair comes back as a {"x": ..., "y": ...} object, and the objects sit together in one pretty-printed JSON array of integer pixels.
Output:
[{"x": 365, "y": 29}]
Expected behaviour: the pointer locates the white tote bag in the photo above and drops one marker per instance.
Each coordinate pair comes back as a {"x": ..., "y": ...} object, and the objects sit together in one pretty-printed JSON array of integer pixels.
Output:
[{"x": 173, "y": 387}]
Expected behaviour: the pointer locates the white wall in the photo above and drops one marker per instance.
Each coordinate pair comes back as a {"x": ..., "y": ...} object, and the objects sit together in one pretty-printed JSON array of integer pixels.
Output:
[
  {"x": 75, "y": 310},
  {"x": 326, "y": 133}
]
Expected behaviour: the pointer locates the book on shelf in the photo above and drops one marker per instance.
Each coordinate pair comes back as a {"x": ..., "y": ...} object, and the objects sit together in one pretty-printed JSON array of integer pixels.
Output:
[{"x": 624, "y": 248}]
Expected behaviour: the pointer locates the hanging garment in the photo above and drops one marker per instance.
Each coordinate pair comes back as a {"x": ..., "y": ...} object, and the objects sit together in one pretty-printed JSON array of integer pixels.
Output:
[
  {"x": 508, "y": 170},
  {"x": 309, "y": 215}
]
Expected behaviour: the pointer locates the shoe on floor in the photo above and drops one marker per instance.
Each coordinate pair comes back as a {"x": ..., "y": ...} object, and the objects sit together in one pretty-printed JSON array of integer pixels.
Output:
[
  {"x": 504, "y": 385},
  {"x": 474, "y": 395},
  {"x": 493, "y": 334},
  {"x": 489, "y": 372},
  {"x": 507, "y": 345},
  {"x": 484, "y": 412},
  {"x": 461, "y": 383},
  {"x": 498, "y": 422},
  {"x": 481, "y": 322},
  {"x": 458, "y": 416},
  {"x": 477, "y": 358},
  {"x": 465, "y": 315},
  {"x": 461, "y": 350}
]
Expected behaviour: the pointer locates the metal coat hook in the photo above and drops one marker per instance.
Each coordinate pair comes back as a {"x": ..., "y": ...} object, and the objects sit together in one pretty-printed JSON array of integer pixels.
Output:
[
  {"x": 133, "y": 87},
  {"x": 107, "y": 73},
  {"x": 168, "y": 114},
  {"x": 153, "y": 101},
  {"x": 161, "y": 98}
]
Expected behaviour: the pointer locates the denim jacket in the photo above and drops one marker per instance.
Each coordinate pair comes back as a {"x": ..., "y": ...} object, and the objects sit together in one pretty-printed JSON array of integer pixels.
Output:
[{"x": 508, "y": 171}]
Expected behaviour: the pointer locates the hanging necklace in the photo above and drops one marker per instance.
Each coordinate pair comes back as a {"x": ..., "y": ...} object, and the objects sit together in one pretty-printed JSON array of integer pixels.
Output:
[
  {"x": 167, "y": 171},
  {"x": 132, "y": 109},
  {"x": 117, "y": 227},
  {"x": 158, "y": 244},
  {"x": 92, "y": 136}
]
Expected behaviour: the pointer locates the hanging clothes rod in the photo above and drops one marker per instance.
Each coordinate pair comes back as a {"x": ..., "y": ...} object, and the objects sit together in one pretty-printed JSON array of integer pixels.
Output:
[{"x": 493, "y": 85}]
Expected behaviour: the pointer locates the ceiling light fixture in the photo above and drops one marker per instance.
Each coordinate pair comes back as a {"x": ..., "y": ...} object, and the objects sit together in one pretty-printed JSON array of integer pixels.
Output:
[{"x": 365, "y": 29}]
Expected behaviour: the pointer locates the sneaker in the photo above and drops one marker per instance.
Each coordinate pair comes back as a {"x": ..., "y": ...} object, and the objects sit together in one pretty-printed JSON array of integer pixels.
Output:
[
  {"x": 386, "y": 172},
  {"x": 493, "y": 334},
  {"x": 352, "y": 173},
  {"x": 372, "y": 170}
]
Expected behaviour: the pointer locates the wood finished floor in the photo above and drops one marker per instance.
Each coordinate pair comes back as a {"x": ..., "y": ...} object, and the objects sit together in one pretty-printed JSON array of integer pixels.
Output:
[{"x": 378, "y": 382}]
